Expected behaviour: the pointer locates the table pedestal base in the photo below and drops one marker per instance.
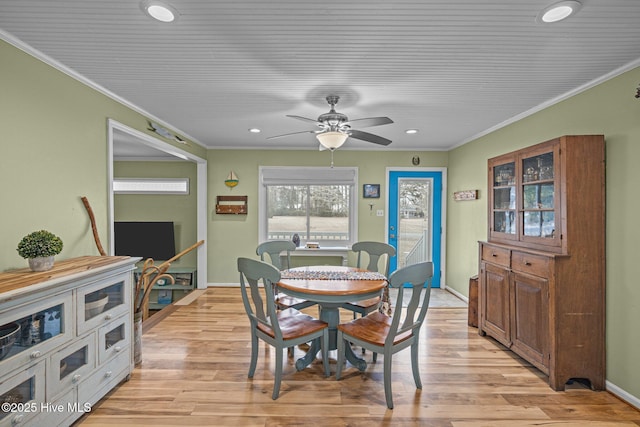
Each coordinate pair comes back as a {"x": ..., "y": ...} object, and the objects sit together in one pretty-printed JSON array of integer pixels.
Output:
[{"x": 330, "y": 313}]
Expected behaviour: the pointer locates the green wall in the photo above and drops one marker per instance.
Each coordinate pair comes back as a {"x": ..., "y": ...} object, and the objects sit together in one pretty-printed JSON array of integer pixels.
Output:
[
  {"x": 231, "y": 236},
  {"x": 54, "y": 151},
  {"x": 609, "y": 109},
  {"x": 181, "y": 209}
]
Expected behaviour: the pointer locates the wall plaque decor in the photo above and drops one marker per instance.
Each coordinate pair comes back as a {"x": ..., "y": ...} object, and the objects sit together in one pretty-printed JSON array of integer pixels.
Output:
[{"x": 465, "y": 195}]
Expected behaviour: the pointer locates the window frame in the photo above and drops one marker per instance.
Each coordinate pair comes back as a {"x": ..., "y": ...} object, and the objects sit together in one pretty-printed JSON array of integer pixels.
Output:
[{"x": 299, "y": 175}]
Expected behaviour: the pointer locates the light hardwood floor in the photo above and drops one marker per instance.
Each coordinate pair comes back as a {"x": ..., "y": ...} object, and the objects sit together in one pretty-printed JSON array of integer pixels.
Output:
[{"x": 195, "y": 363}]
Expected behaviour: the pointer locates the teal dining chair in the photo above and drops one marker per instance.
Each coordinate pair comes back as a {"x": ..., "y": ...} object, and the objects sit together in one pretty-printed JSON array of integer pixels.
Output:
[
  {"x": 281, "y": 329},
  {"x": 374, "y": 251},
  {"x": 388, "y": 335},
  {"x": 273, "y": 251}
]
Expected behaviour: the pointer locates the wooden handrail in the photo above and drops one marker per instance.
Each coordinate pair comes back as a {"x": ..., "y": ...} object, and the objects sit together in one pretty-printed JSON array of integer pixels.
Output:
[{"x": 146, "y": 282}]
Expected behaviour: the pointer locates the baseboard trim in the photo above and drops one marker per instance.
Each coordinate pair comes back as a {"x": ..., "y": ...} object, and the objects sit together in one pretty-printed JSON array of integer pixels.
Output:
[
  {"x": 622, "y": 394},
  {"x": 458, "y": 294}
]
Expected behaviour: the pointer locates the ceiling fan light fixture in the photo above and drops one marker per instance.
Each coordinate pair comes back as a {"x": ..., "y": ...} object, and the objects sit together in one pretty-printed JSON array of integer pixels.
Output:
[
  {"x": 558, "y": 11},
  {"x": 332, "y": 139},
  {"x": 159, "y": 11}
]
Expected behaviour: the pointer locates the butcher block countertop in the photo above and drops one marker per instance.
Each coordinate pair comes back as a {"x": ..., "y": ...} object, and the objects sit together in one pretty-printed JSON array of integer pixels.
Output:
[{"x": 23, "y": 281}]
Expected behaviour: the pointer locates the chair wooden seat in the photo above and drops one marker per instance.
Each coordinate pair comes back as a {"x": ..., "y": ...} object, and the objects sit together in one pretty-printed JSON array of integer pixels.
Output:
[
  {"x": 373, "y": 329},
  {"x": 294, "y": 324}
]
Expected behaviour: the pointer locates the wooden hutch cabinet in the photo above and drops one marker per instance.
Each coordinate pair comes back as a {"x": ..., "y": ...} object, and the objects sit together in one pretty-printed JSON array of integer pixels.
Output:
[{"x": 542, "y": 270}]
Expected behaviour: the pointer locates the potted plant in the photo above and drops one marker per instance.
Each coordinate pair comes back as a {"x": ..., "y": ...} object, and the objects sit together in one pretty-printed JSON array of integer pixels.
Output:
[{"x": 39, "y": 248}]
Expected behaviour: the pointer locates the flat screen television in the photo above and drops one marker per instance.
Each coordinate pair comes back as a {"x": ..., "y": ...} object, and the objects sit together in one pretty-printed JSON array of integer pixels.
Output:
[{"x": 146, "y": 239}]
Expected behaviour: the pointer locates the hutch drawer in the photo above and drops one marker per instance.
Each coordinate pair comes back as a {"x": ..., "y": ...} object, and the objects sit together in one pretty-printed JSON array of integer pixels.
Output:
[
  {"x": 495, "y": 255},
  {"x": 524, "y": 262}
]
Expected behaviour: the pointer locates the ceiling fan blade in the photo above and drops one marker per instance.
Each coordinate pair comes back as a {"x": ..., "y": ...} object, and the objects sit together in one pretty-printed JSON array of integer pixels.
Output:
[
  {"x": 292, "y": 133},
  {"x": 304, "y": 119},
  {"x": 369, "y": 137},
  {"x": 371, "y": 121}
]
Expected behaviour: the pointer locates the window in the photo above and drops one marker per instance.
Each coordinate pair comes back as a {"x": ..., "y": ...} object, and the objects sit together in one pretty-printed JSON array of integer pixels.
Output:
[
  {"x": 151, "y": 185},
  {"x": 318, "y": 204}
]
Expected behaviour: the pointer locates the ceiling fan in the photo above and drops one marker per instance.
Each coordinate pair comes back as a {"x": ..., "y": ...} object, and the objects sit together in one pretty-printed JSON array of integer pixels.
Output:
[{"x": 336, "y": 127}]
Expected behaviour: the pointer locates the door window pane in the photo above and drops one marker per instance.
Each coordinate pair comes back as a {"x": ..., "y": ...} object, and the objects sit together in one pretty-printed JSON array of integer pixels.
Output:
[{"x": 414, "y": 242}]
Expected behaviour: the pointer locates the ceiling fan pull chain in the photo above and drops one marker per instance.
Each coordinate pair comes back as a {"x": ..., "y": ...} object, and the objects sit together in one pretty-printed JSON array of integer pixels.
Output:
[{"x": 332, "y": 158}]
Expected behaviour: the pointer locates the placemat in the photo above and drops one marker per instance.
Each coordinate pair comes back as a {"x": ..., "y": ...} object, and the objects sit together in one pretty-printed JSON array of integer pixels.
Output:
[{"x": 332, "y": 275}]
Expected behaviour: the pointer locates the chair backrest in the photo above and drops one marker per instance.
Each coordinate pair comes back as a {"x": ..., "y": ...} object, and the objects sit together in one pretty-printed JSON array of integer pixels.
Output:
[
  {"x": 375, "y": 250},
  {"x": 259, "y": 309},
  {"x": 412, "y": 311},
  {"x": 274, "y": 249}
]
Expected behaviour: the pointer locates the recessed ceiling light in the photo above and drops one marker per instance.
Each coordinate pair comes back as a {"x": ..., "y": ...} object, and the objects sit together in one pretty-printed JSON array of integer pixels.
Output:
[
  {"x": 411, "y": 131},
  {"x": 160, "y": 11},
  {"x": 558, "y": 11},
  {"x": 255, "y": 130}
]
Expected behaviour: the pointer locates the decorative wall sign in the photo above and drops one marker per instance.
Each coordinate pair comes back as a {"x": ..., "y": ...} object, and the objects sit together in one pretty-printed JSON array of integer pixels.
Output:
[
  {"x": 236, "y": 205},
  {"x": 371, "y": 191},
  {"x": 465, "y": 195}
]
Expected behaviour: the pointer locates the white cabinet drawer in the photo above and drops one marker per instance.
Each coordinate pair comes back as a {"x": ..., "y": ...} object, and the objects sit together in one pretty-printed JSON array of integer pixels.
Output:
[
  {"x": 44, "y": 324},
  {"x": 102, "y": 302},
  {"x": 104, "y": 378},
  {"x": 114, "y": 338},
  {"x": 69, "y": 366},
  {"x": 59, "y": 412},
  {"x": 24, "y": 392}
]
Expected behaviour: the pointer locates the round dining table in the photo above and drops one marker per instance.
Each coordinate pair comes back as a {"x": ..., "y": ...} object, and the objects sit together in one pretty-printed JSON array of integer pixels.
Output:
[{"x": 331, "y": 287}]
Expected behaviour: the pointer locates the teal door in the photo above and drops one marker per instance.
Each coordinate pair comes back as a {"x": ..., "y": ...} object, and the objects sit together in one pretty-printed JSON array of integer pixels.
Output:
[{"x": 415, "y": 219}]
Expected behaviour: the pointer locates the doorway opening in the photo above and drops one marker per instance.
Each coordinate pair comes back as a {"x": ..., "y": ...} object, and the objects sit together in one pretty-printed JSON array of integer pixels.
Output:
[{"x": 122, "y": 138}]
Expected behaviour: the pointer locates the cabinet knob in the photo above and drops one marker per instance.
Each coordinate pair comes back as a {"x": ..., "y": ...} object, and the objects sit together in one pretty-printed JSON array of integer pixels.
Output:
[
  {"x": 493, "y": 254},
  {"x": 35, "y": 354},
  {"x": 108, "y": 374},
  {"x": 108, "y": 317},
  {"x": 17, "y": 419},
  {"x": 117, "y": 349},
  {"x": 527, "y": 263},
  {"x": 76, "y": 378}
]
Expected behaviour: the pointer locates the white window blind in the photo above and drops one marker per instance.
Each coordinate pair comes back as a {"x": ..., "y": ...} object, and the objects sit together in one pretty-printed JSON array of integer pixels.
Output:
[{"x": 151, "y": 185}]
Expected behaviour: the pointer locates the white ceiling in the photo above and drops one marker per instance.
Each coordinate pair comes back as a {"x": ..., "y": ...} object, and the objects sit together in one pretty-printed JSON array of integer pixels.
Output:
[{"x": 454, "y": 69}]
